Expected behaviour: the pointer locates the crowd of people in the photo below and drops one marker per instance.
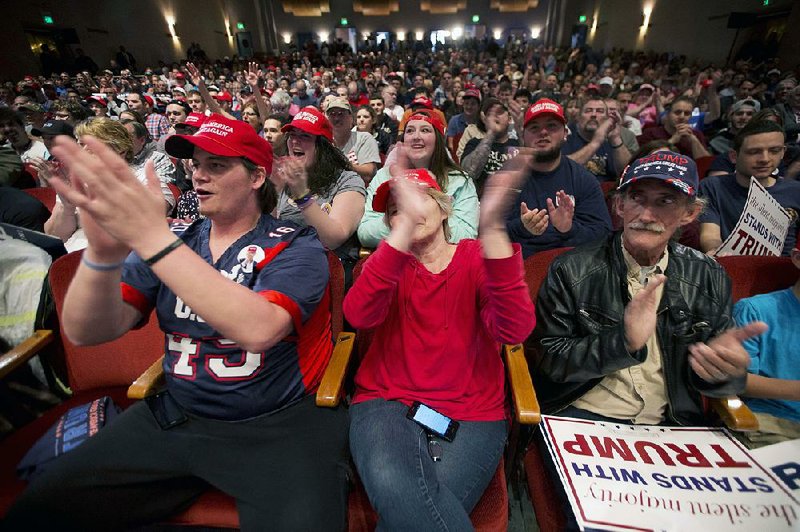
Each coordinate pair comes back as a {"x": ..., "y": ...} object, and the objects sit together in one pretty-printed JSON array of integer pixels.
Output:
[{"x": 452, "y": 167}]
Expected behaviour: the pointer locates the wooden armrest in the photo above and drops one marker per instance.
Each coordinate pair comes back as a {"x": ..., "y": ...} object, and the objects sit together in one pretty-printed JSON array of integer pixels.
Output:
[
  {"x": 526, "y": 405},
  {"x": 20, "y": 354},
  {"x": 148, "y": 382},
  {"x": 330, "y": 387},
  {"x": 734, "y": 413}
]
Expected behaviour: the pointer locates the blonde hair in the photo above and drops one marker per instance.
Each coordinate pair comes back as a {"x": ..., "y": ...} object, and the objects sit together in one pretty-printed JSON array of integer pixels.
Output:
[
  {"x": 110, "y": 132},
  {"x": 445, "y": 205}
]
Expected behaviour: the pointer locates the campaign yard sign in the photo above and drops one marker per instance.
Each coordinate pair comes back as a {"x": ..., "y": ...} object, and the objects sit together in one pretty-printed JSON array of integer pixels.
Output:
[
  {"x": 651, "y": 478},
  {"x": 784, "y": 461},
  {"x": 762, "y": 226}
]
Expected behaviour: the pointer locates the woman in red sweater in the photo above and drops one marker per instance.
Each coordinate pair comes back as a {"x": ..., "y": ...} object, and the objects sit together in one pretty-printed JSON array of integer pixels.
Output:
[{"x": 440, "y": 312}]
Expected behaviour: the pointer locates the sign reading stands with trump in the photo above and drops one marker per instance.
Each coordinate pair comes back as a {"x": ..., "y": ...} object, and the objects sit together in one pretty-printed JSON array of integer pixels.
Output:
[
  {"x": 627, "y": 477},
  {"x": 762, "y": 226}
]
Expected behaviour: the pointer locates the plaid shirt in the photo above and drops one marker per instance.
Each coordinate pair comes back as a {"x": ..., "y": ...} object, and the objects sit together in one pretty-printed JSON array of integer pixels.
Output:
[{"x": 157, "y": 125}]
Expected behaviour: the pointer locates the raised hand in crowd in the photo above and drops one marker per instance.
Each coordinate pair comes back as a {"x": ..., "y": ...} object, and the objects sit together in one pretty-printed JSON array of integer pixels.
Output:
[
  {"x": 252, "y": 75},
  {"x": 118, "y": 213},
  {"x": 292, "y": 175},
  {"x": 561, "y": 212},
  {"x": 639, "y": 318},
  {"x": 499, "y": 192}
]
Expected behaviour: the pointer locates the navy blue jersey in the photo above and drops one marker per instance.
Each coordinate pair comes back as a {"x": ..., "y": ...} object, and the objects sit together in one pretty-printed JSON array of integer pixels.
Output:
[{"x": 210, "y": 375}]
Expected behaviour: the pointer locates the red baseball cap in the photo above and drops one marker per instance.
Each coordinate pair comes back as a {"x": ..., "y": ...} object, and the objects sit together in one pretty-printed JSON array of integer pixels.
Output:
[
  {"x": 224, "y": 96},
  {"x": 422, "y": 101},
  {"x": 545, "y": 106},
  {"x": 310, "y": 120},
  {"x": 226, "y": 138},
  {"x": 420, "y": 176},
  {"x": 429, "y": 117},
  {"x": 149, "y": 99},
  {"x": 472, "y": 92},
  {"x": 99, "y": 99},
  {"x": 180, "y": 75},
  {"x": 195, "y": 119}
]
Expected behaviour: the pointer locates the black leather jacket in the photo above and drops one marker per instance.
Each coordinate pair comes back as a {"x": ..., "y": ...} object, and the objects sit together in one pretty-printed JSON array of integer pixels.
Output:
[{"x": 579, "y": 335}]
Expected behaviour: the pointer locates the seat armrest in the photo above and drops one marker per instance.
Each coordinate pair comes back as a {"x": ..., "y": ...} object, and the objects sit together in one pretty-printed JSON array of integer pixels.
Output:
[
  {"x": 734, "y": 413},
  {"x": 148, "y": 382},
  {"x": 330, "y": 387},
  {"x": 20, "y": 354},
  {"x": 526, "y": 405}
]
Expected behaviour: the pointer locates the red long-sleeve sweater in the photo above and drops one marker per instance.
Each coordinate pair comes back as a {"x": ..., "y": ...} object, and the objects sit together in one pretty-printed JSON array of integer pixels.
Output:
[{"x": 437, "y": 336}]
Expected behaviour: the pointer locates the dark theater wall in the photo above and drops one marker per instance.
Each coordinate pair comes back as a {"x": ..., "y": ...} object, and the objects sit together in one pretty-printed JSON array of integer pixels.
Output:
[
  {"x": 697, "y": 29},
  {"x": 102, "y": 26}
]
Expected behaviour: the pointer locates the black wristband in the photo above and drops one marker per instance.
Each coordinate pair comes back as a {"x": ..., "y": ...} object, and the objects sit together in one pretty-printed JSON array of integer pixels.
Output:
[
  {"x": 164, "y": 252},
  {"x": 617, "y": 146}
]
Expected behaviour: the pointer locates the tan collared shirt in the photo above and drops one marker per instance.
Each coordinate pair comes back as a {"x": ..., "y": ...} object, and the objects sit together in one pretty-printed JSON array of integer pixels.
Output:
[{"x": 636, "y": 393}]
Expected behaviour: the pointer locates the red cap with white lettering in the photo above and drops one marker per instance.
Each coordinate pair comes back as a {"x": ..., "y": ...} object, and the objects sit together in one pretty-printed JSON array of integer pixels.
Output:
[
  {"x": 224, "y": 137},
  {"x": 544, "y": 106},
  {"x": 310, "y": 120}
]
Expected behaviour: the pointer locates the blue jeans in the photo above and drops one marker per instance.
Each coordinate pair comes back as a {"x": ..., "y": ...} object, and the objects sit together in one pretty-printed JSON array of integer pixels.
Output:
[{"x": 405, "y": 486}]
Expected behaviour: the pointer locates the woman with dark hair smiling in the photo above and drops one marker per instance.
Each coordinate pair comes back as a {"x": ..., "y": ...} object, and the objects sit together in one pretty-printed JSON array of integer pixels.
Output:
[{"x": 320, "y": 188}]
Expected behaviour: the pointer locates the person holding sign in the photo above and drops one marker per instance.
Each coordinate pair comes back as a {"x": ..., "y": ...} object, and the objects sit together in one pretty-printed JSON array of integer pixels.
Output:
[
  {"x": 773, "y": 379},
  {"x": 757, "y": 150},
  {"x": 636, "y": 328}
]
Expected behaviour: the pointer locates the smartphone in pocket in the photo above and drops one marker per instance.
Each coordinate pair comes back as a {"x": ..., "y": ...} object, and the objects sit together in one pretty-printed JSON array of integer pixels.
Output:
[{"x": 166, "y": 410}]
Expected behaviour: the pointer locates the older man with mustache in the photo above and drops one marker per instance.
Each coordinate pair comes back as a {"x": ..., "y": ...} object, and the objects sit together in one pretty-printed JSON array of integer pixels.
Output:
[{"x": 636, "y": 328}]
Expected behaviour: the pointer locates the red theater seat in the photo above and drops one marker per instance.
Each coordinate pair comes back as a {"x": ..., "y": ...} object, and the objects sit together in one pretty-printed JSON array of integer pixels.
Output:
[
  {"x": 95, "y": 371},
  {"x": 751, "y": 276},
  {"x": 92, "y": 372}
]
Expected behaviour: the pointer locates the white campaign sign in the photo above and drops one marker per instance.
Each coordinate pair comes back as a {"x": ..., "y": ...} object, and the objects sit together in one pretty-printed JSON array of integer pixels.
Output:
[
  {"x": 784, "y": 461},
  {"x": 762, "y": 226},
  {"x": 626, "y": 477}
]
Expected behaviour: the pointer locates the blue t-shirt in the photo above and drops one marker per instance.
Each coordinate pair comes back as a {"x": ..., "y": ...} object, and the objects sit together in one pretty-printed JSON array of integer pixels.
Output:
[
  {"x": 211, "y": 376},
  {"x": 601, "y": 164},
  {"x": 726, "y": 201},
  {"x": 776, "y": 353},
  {"x": 590, "y": 222}
]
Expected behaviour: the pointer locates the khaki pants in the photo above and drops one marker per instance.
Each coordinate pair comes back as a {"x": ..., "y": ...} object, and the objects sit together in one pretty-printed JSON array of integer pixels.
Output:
[{"x": 771, "y": 430}]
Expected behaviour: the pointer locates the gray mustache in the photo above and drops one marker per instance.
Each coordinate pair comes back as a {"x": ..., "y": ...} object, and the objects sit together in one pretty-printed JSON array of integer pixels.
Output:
[{"x": 653, "y": 227}]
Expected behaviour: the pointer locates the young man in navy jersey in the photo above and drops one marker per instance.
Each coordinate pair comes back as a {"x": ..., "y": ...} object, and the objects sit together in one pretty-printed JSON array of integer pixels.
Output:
[{"x": 242, "y": 299}]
